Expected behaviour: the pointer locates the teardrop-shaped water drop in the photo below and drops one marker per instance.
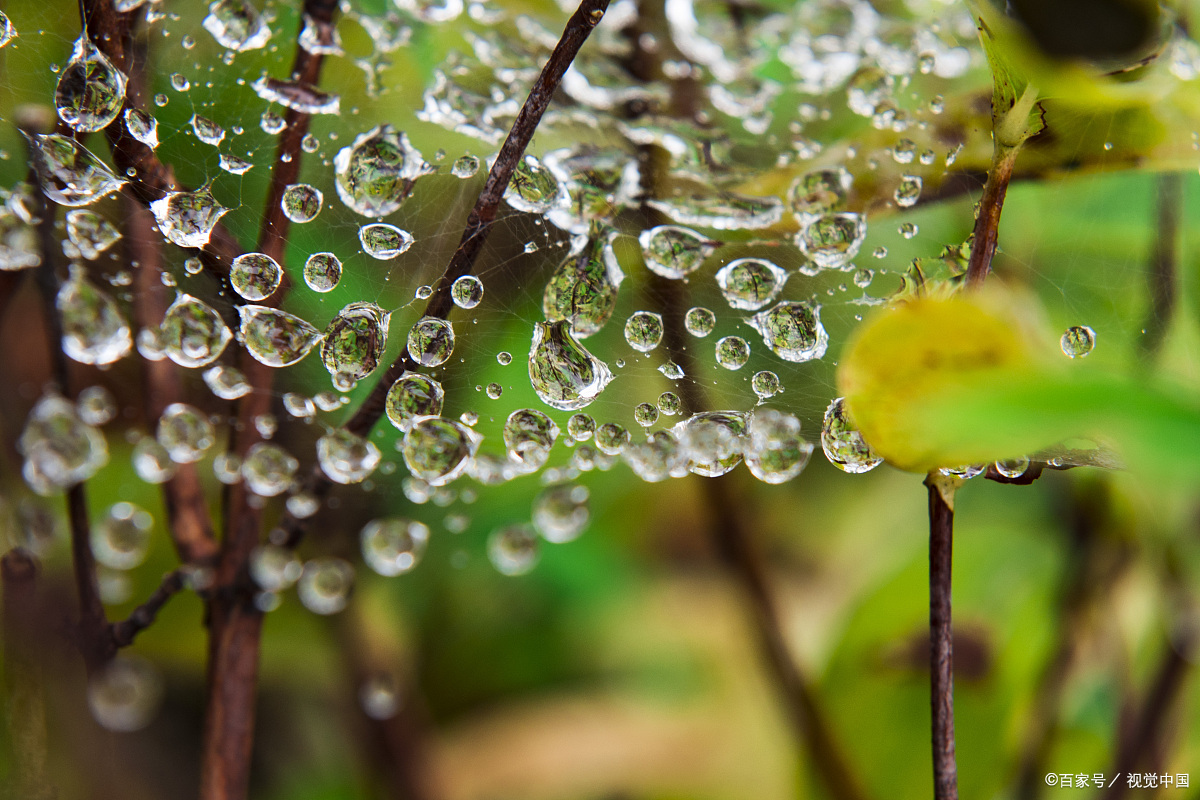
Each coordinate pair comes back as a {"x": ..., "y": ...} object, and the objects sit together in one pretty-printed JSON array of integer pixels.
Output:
[
  {"x": 192, "y": 333},
  {"x": 276, "y": 338},
  {"x": 431, "y": 341},
  {"x": 583, "y": 290},
  {"x": 750, "y": 283},
  {"x": 255, "y": 276},
  {"x": 322, "y": 272},
  {"x": 355, "y": 340},
  {"x": 563, "y": 373},
  {"x": 383, "y": 241},
  {"x": 207, "y": 131},
  {"x": 90, "y": 91},
  {"x": 438, "y": 450},
  {"x": 236, "y": 25},
  {"x": 830, "y": 241},
  {"x": 413, "y": 395},
  {"x": 793, "y": 331},
  {"x": 70, "y": 174},
  {"x": 301, "y": 202},
  {"x": 347, "y": 458},
  {"x": 94, "y": 332},
  {"x": 142, "y": 127},
  {"x": 375, "y": 174},
  {"x": 187, "y": 218},
  {"x": 91, "y": 233},
  {"x": 673, "y": 251},
  {"x": 535, "y": 188}
]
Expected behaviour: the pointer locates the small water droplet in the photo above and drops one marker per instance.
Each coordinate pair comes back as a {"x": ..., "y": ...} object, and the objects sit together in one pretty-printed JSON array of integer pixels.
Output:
[
  {"x": 384, "y": 242},
  {"x": 1078, "y": 341},
  {"x": 301, "y": 202},
  {"x": 255, "y": 276}
]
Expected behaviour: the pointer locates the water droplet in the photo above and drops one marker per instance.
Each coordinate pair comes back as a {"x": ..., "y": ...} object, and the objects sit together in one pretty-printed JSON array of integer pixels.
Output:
[
  {"x": 724, "y": 211},
  {"x": 152, "y": 462},
  {"x": 535, "y": 188},
  {"x": 513, "y": 550},
  {"x": 830, "y": 241},
  {"x": 644, "y": 330},
  {"x": 192, "y": 333},
  {"x": 347, "y": 458},
  {"x": 494, "y": 391},
  {"x": 275, "y": 338},
  {"x": 234, "y": 165},
  {"x": 274, "y": 568},
  {"x": 322, "y": 271},
  {"x": 207, "y": 131},
  {"x": 528, "y": 437},
  {"x": 185, "y": 433},
  {"x": 236, "y": 25},
  {"x": 750, "y": 283},
  {"x": 580, "y": 427},
  {"x": 355, "y": 340},
  {"x": 1013, "y": 468},
  {"x": 732, "y": 352},
  {"x": 187, "y": 218},
  {"x": 431, "y": 341},
  {"x": 272, "y": 123},
  {"x": 465, "y": 167},
  {"x": 93, "y": 330},
  {"x": 909, "y": 191},
  {"x": 413, "y": 395},
  {"x": 699, "y": 321},
  {"x": 91, "y": 233},
  {"x": 713, "y": 441},
  {"x": 1078, "y": 341},
  {"x": 320, "y": 38},
  {"x": 324, "y": 587},
  {"x": 765, "y": 384},
  {"x": 380, "y": 697},
  {"x": 297, "y": 95},
  {"x": 180, "y": 83},
  {"x": 818, "y": 193},
  {"x": 255, "y": 276},
  {"x": 96, "y": 406},
  {"x": 8, "y": 31},
  {"x": 645, "y": 414},
  {"x": 793, "y": 331},
  {"x": 125, "y": 694},
  {"x": 584, "y": 288},
  {"x": 227, "y": 467},
  {"x": 438, "y": 450},
  {"x": 673, "y": 251},
  {"x": 775, "y": 451},
  {"x": 90, "y": 91},
  {"x": 393, "y": 546},
  {"x": 504, "y": 358},
  {"x": 70, "y": 174},
  {"x": 268, "y": 469},
  {"x": 383, "y": 241},
  {"x": 560, "y": 513},
  {"x": 843, "y": 444},
  {"x": 301, "y": 202},
  {"x": 467, "y": 291},
  {"x": 657, "y": 458},
  {"x": 122, "y": 536},
  {"x": 563, "y": 373},
  {"x": 612, "y": 439},
  {"x": 909, "y": 230},
  {"x": 375, "y": 174}
]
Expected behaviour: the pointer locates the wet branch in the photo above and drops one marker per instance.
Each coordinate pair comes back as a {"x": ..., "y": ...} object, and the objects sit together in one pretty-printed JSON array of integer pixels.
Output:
[
  {"x": 941, "y": 636},
  {"x": 578, "y": 28},
  {"x": 142, "y": 617}
]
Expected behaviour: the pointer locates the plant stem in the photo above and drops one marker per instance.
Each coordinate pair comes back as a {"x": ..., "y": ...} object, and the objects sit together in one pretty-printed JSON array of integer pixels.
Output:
[
  {"x": 142, "y": 617},
  {"x": 25, "y": 701},
  {"x": 578, "y": 28},
  {"x": 987, "y": 223},
  {"x": 1163, "y": 267},
  {"x": 941, "y": 641}
]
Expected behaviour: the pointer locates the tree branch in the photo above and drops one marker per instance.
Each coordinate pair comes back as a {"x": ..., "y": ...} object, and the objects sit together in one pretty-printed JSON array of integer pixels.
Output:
[
  {"x": 142, "y": 617},
  {"x": 941, "y": 638},
  {"x": 578, "y": 28}
]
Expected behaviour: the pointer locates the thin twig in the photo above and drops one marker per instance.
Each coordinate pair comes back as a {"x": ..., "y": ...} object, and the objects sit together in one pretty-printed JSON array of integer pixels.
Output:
[
  {"x": 941, "y": 647},
  {"x": 987, "y": 224},
  {"x": 1164, "y": 263},
  {"x": 142, "y": 617},
  {"x": 479, "y": 221}
]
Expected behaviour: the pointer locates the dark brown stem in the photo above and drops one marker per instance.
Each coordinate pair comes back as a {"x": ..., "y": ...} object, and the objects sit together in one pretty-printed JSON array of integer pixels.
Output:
[
  {"x": 941, "y": 648},
  {"x": 1164, "y": 263},
  {"x": 479, "y": 221},
  {"x": 24, "y": 692},
  {"x": 235, "y": 622},
  {"x": 142, "y": 617},
  {"x": 987, "y": 223}
]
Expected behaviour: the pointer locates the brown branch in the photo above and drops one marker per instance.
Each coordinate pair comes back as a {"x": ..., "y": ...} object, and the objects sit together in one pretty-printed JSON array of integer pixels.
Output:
[
  {"x": 25, "y": 694},
  {"x": 142, "y": 617},
  {"x": 941, "y": 648},
  {"x": 987, "y": 224},
  {"x": 1164, "y": 263},
  {"x": 235, "y": 622},
  {"x": 479, "y": 221}
]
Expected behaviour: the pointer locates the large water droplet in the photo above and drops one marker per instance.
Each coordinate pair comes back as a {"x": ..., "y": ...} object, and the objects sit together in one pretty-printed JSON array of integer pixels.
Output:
[
  {"x": 413, "y": 395},
  {"x": 431, "y": 341},
  {"x": 275, "y": 338},
  {"x": 322, "y": 272},
  {"x": 90, "y": 91},
  {"x": 268, "y": 469},
  {"x": 775, "y": 452},
  {"x": 355, "y": 340},
  {"x": 843, "y": 444},
  {"x": 793, "y": 331},
  {"x": 750, "y": 283},
  {"x": 713, "y": 441},
  {"x": 833, "y": 239},
  {"x": 236, "y": 24},
  {"x": 584, "y": 288},
  {"x": 383, "y": 241},
  {"x": 94, "y": 332},
  {"x": 673, "y": 251},
  {"x": 255, "y": 276},
  {"x": 70, "y": 174},
  {"x": 563, "y": 373},
  {"x": 375, "y": 174},
  {"x": 438, "y": 450},
  {"x": 909, "y": 191},
  {"x": 60, "y": 449},
  {"x": 528, "y": 436},
  {"x": 346, "y": 458},
  {"x": 192, "y": 333},
  {"x": 187, "y": 218},
  {"x": 467, "y": 291},
  {"x": 393, "y": 546},
  {"x": 122, "y": 536},
  {"x": 91, "y": 233}
]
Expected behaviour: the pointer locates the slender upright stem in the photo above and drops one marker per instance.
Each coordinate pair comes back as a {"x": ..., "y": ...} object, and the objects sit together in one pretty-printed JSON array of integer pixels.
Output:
[
  {"x": 941, "y": 638},
  {"x": 987, "y": 223},
  {"x": 578, "y": 28}
]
